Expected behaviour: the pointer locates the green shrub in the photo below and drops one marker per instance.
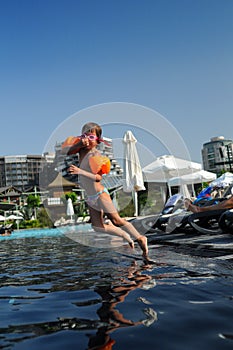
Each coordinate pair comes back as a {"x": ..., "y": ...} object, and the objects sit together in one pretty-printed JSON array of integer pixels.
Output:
[{"x": 43, "y": 218}]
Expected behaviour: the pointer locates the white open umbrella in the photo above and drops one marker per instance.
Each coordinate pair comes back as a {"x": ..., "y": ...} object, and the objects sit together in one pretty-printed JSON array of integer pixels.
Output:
[
  {"x": 191, "y": 179},
  {"x": 168, "y": 166},
  {"x": 196, "y": 177},
  {"x": 133, "y": 181},
  {"x": 15, "y": 217},
  {"x": 70, "y": 208},
  {"x": 224, "y": 180}
]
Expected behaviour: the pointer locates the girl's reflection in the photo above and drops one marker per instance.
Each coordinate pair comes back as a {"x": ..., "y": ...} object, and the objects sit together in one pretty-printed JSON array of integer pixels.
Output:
[{"x": 112, "y": 318}]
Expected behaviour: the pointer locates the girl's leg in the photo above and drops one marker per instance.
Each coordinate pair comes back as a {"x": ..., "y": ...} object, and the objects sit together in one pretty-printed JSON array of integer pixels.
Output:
[
  {"x": 111, "y": 212},
  {"x": 141, "y": 239},
  {"x": 98, "y": 225},
  {"x": 113, "y": 230}
]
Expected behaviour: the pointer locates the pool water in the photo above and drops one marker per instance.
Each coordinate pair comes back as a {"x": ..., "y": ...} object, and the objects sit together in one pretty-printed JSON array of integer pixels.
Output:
[{"x": 57, "y": 293}]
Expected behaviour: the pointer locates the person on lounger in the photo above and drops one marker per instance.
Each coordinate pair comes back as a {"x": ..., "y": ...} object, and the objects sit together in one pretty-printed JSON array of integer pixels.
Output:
[{"x": 225, "y": 204}]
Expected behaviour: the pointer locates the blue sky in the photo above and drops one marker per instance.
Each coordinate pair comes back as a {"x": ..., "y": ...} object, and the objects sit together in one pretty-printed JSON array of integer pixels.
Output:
[{"x": 59, "y": 57}]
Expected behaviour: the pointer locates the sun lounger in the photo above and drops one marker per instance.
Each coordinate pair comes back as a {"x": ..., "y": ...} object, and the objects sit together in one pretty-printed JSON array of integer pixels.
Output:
[
  {"x": 213, "y": 221},
  {"x": 173, "y": 217},
  {"x": 206, "y": 222},
  {"x": 226, "y": 221}
]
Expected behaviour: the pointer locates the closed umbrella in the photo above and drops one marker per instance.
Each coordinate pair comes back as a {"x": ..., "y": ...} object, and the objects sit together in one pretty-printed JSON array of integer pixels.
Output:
[
  {"x": 133, "y": 181},
  {"x": 70, "y": 208}
]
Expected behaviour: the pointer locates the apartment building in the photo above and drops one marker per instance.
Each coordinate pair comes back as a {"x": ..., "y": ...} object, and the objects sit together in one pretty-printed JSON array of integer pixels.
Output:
[
  {"x": 217, "y": 155},
  {"x": 22, "y": 171},
  {"x": 25, "y": 171}
]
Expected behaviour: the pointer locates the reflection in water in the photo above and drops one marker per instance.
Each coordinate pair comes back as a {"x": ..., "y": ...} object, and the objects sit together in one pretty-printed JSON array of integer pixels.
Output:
[
  {"x": 57, "y": 267},
  {"x": 112, "y": 319}
]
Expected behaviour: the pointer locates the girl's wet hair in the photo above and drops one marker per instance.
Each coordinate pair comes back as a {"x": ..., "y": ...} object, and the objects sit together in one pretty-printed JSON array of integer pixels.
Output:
[{"x": 92, "y": 127}]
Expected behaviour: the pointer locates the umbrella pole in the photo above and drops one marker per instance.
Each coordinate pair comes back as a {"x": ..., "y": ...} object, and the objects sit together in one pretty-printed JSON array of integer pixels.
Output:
[
  {"x": 194, "y": 193},
  {"x": 169, "y": 190},
  {"x": 135, "y": 199}
]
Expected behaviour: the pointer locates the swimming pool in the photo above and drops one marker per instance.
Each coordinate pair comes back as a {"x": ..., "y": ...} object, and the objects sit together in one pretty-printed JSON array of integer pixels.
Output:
[{"x": 57, "y": 293}]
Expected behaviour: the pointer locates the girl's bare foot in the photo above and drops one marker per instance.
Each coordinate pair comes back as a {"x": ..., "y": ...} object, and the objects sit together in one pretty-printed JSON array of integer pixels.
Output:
[
  {"x": 142, "y": 241},
  {"x": 131, "y": 244}
]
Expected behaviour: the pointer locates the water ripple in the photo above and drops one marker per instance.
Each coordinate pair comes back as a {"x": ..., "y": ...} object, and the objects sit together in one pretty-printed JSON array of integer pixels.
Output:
[{"x": 55, "y": 293}]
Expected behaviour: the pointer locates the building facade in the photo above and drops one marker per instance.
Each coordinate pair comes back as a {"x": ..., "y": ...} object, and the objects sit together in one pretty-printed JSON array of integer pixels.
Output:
[
  {"x": 26, "y": 171},
  {"x": 22, "y": 171},
  {"x": 217, "y": 155}
]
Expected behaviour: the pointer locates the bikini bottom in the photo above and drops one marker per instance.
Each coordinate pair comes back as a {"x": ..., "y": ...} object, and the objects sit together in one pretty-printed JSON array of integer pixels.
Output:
[{"x": 92, "y": 200}]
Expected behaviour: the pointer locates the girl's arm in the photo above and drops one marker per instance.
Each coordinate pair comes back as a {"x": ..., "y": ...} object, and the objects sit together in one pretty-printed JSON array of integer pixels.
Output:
[
  {"x": 73, "y": 149},
  {"x": 75, "y": 170}
]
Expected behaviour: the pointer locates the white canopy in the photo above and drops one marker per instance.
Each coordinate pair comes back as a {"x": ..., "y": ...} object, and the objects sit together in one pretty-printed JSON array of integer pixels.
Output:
[
  {"x": 167, "y": 167},
  {"x": 2, "y": 218},
  {"x": 193, "y": 178},
  {"x": 224, "y": 180},
  {"x": 14, "y": 217}
]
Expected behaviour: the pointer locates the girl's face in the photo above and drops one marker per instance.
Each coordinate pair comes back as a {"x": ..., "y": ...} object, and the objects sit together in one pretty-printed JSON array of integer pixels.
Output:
[{"x": 90, "y": 139}]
